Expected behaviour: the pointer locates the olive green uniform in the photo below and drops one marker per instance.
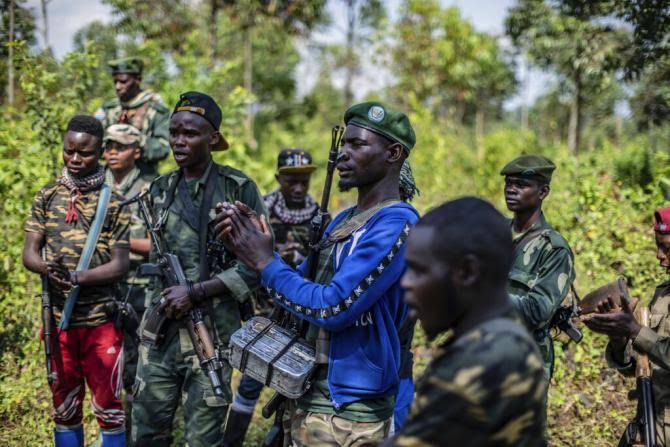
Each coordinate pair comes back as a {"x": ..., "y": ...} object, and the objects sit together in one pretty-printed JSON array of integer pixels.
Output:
[
  {"x": 148, "y": 113},
  {"x": 655, "y": 342},
  {"x": 485, "y": 388},
  {"x": 133, "y": 286},
  {"x": 171, "y": 371},
  {"x": 540, "y": 278}
]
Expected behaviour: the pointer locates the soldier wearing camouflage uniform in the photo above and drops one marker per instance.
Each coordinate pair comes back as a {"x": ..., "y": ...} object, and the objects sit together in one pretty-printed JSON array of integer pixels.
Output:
[
  {"x": 142, "y": 109},
  {"x": 626, "y": 334},
  {"x": 170, "y": 373},
  {"x": 121, "y": 151},
  {"x": 356, "y": 295},
  {"x": 90, "y": 350},
  {"x": 291, "y": 210},
  {"x": 543, "y": 267},
  {"x": 485, "y": 385}
]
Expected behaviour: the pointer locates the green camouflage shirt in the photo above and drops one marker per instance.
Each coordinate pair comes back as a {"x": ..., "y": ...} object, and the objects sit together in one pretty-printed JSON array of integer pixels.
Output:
[
  {"x": 146, "y": 112},
  {"x": 485, "y": 388},
  {"x": 48, "y": 218},
  {"x": 539, "y": 281},
  {"x": 182, "y": 240},
  {"x": 131, "y": 185}
]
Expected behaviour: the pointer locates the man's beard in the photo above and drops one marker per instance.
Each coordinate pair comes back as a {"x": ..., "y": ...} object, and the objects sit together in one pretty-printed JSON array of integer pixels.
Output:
[{"x": 344, "y": 187}]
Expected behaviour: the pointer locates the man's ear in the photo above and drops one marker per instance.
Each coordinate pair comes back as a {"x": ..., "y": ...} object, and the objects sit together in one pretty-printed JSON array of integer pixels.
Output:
[
  {"x": 395, "y": 152},
  {"x": 214, "y": 138},
  {"x": 137, "y": 152},
  {"x": 545, "y": 189},
  {"x": 467, "y": 271}
]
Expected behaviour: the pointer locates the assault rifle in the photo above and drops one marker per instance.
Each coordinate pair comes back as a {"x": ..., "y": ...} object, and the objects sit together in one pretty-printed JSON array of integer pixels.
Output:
[
  {"x": 47, "y": 326},
  {"x": 641, "y": 431},
  {"x": 170, "y": 270},
  {"x": 319, "y": 223}
]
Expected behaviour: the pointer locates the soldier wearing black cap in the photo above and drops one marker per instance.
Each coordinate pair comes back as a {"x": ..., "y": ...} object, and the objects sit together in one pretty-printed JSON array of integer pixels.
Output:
[
  {"x": 140, "y": 108},
  {"x": 542, "y": 271},
  {"x": 185, "y": 201}
]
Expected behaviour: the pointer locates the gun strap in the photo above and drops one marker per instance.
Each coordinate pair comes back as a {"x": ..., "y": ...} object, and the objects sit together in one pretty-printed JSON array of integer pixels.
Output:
[{"x": 87, "y": 253}]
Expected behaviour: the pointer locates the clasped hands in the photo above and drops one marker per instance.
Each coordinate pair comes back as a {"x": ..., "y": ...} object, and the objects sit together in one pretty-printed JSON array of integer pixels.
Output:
[{"x": 244, "y": 233}]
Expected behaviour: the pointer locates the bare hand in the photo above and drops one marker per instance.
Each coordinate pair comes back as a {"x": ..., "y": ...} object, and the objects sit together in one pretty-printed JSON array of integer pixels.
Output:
[
  {"x": 290, "y": 250},
  {"x": 249, "y": 237},
  {"x": 58, "y": 272},
  {"x": 618, "y": 323},
  {"x": 175, "y": 302}
]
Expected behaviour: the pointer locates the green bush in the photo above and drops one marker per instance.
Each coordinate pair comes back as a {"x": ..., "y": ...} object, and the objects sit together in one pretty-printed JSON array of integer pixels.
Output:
[{"x": 602, "y": 202}]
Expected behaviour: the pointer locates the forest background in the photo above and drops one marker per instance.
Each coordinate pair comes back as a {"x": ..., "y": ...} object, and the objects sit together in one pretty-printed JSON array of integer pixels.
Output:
[{"x": 603, "y": 117}]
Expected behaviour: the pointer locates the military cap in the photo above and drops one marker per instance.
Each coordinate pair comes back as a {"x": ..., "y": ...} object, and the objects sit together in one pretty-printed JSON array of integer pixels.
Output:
[
  {"x": 295, "y": 161},
  {"x": 130, "y": 65},
  {"x": 530, "y": 166},
  {"x": 123, "y": 133},
  {"x": 662, "y": 217},
  {"x": 205, "y": 106},
  {"x": 376, "y": 117}
]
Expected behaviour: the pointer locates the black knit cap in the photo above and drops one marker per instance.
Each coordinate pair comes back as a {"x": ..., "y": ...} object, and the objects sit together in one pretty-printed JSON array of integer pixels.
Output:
[{"x": 205, "y": 106}]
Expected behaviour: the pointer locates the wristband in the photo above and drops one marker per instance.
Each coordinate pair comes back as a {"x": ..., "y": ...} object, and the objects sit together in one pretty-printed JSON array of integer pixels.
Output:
[{"x": 74, "y": 278}]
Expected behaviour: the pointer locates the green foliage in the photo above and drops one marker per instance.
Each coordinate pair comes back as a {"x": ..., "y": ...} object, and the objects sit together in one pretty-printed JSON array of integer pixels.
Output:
[
  {"x": 446, "y": 63},
  {"x": 601, "y": 201}
]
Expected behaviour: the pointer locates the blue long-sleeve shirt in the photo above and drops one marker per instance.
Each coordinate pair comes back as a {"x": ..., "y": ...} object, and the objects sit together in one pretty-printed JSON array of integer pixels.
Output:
[{"x": 362, "y": 305}]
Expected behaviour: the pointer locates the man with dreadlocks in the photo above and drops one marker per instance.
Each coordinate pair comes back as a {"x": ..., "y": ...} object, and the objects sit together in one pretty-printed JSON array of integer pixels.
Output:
[
  {"x": 88, "y": 348},
  {"x": 356, "y": 296}
]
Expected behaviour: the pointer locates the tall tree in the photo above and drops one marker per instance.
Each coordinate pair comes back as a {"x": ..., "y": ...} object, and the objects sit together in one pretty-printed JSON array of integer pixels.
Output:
[
  {"x": 447, "y": 64},
  {"x": 568, "y": 37},
  {"x": 18, "y": 24}
]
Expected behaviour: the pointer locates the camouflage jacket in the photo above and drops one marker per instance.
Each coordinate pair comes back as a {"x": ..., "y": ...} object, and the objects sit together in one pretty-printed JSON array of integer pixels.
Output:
[
  {"x": 182, "y": 239},
  {"x": 148, "y": 113},
  {"x": 132, "y": 184},
  {"x": 484, "y": 388},
  {"x": 540, "y": 278},
  {"x": 48, "y": 218}
]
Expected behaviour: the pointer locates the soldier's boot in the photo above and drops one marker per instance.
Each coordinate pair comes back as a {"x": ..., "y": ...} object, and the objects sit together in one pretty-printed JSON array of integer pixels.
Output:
[
  {"x": 69, "y": 437},
  {"x": 236, "y": 428},
  {"x": 117, "y": 439}
]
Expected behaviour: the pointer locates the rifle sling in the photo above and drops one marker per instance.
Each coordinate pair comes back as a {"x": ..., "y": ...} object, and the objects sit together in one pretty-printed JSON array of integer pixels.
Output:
[{"x": 87, "y": 252}]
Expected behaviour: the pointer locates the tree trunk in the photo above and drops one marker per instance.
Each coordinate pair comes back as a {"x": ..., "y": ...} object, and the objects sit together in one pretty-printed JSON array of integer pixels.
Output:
[
  {"x": 248, "y": 82},
  {"x": 213, "y": 31},
  {"x": 350, "y": 63},
  {"x": 479, "y": 131},
  {"x": 575, "y": 127},
  {"x": 45, "y": 27},
  {"x": 10, "y": 56},
  {"x": 526, "y": 91}
]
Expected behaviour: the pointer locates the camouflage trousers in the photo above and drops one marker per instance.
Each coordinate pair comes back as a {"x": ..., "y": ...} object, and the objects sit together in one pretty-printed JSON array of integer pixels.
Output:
[
  {"x": 316, "y": 429},
  {"x": 166, "y": 375}
]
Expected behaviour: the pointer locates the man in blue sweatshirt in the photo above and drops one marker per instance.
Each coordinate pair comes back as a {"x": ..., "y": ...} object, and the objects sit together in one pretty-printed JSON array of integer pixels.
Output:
[{"x": 356, "y": 296}]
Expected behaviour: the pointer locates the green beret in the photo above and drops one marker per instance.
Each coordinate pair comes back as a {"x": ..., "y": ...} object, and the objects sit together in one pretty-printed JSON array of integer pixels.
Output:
[
  {"x": 130, "y": 65},
  {"x": 384, "y": 121},
  {"x": 530, "y": 166}
]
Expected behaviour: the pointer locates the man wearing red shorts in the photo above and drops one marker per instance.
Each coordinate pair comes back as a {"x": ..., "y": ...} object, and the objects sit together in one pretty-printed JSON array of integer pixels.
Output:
[{"x": 90, "y": 350}]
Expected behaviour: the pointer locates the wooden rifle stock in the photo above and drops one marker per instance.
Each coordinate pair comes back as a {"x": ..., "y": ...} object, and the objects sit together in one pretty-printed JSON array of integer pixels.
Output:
[{"x": 645, "y": 397}]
